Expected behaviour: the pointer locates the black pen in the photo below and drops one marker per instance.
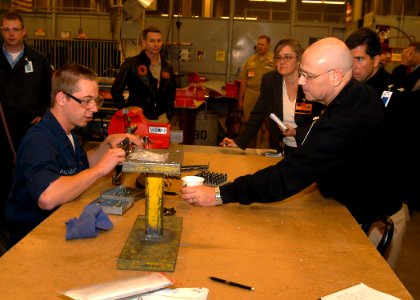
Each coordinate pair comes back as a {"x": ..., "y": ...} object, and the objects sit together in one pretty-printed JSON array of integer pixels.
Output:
[{"x": 232, "y": 283}]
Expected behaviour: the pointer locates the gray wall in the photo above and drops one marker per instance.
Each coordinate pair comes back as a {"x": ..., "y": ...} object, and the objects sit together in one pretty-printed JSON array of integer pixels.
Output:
[
  {"x": 212, "y": 36},
  {"x": 209, "y": 35}
]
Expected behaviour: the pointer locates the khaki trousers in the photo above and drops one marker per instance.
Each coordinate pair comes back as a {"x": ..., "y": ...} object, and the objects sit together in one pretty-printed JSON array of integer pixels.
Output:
[{"x": 400, "y": 220}]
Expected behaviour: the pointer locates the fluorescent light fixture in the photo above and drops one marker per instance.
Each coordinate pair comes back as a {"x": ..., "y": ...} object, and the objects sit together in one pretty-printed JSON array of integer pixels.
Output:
[
  {"x": 241, "y": 18},
  {"x": 324, "y": 2},
  {"x": 268, "y": 1}
]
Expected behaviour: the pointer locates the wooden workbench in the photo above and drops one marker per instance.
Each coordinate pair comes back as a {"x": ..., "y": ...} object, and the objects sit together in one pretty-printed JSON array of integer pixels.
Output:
[{"x": 301, "y": 248}]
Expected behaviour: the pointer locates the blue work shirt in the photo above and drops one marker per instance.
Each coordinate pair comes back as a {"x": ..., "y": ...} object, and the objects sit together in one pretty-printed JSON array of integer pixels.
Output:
[{"x": 45, "y": 154}]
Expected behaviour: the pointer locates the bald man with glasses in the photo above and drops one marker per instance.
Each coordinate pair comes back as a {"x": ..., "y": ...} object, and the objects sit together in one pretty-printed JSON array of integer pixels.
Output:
[
  {"x": 51, "y": 166},
  {"x": 343, "y": 151}
]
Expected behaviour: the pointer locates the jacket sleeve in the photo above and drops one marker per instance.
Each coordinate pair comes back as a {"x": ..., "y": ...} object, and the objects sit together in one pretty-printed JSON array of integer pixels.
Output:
[
  {"x": 171, "y": 95},
  {"x": 119, "y": 85}
]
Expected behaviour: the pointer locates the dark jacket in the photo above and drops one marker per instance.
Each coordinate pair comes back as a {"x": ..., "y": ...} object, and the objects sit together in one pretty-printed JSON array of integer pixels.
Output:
[
  {"x": 24, "y": 95},
  {"x": 408, "y": 80},
  {"x": 344, "y": 153},
  {"x": 271, "y": 101},
  {"x": 135, "y": 75}
]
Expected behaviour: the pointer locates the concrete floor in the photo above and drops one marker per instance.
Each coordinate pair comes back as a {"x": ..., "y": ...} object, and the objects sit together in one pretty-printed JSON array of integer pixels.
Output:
[{"x": 408, "y": 268}]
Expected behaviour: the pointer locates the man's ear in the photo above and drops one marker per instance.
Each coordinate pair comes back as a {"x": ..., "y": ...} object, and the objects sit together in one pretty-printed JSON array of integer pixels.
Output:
[
  {"x": 337, "y": 77},
  {"x": 376, "y": 61},
  {"x": 60, "y": 98}
]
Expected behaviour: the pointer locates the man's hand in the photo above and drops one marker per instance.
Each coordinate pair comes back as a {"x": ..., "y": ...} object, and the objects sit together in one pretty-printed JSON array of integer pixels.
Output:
[
  {"x": 110, "y": 160},
  {"x": 201, "y": 195},
  {"x": 114, "y": 140},
  {"x": 227, "y": 142}
]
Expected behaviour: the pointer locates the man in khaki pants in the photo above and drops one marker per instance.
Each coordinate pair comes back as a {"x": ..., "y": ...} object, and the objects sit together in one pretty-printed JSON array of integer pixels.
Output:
[{"x": 252, "y": 71}]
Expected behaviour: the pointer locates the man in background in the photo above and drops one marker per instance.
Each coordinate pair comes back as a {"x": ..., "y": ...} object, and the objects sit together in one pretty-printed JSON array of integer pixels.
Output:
[
  {"x": 365, "y": 47},
  {"x": 408, "y": 72},
  {"x": 149, "y": 78},
  {"x": 251, "y": 74},
  {"x": 25, "y": 87}
]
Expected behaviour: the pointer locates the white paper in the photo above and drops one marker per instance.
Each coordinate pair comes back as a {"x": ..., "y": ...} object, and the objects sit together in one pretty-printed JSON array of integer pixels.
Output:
[
  {"x": 179, "y": 294},
  {"x": 359, "y": 292},
  {"x": 120, "y": 288}
]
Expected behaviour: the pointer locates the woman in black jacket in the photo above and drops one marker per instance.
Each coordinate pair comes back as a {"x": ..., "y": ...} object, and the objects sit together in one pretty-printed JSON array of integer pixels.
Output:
[{"x": 280, "y": 94}]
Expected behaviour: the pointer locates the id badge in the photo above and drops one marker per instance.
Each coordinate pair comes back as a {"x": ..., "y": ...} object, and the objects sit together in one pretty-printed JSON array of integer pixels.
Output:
[
  {"x": 28, "y": 67},
  {"x": 303, "y": 108},
  {"x": 386, "y": 96}
]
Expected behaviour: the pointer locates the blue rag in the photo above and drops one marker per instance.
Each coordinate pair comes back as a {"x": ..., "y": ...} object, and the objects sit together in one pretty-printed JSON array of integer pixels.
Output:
[{"x": 88, "y": 224}]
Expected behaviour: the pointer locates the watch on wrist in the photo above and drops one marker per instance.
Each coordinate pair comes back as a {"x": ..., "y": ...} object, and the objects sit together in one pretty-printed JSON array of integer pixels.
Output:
[{"x": 218, "y": 197}]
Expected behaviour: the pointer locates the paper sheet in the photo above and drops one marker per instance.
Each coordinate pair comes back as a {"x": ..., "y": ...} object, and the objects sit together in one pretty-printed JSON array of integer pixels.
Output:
[
  {"x": 359, "y": 292},
  {"x": 179, "y": 294}
]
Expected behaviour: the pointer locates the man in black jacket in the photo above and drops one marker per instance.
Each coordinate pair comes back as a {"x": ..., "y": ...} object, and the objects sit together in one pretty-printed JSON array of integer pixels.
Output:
[
  {"x": 149, "y": 78},
  {"x": 344, "y": 151},
  {"x": 25, "y": 85},
  {"x": 365, "y": 47}
]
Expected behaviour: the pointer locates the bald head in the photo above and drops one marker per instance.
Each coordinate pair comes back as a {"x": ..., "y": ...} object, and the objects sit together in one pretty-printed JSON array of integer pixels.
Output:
[
  {"x": 326, "y": 68},
  {"x": 331, "y": 53}
]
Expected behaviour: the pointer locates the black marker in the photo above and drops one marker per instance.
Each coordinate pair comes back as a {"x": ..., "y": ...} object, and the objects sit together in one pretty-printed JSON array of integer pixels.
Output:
[{"x": 232, "y": 283}]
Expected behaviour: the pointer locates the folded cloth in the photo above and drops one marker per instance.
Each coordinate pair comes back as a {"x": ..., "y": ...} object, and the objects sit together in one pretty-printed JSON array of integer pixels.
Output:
[{"x": 88, "y": 224}]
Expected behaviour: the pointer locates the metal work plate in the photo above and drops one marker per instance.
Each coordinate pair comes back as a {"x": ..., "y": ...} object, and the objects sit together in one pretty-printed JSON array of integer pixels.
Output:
[
  {"x": 160, "y": 256},
  {"x": 172, "y": 165}
]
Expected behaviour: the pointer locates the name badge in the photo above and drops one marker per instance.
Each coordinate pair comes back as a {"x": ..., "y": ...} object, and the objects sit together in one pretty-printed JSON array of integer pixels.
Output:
[
  {"x": 386, "y": 96},
  {"x": 251, "y": 73},
  {"x": 28, "y": 67},
  {"x": 303, "y": 108}
]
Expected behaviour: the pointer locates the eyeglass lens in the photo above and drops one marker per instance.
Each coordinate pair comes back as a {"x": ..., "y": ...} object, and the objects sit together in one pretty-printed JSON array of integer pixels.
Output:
[
  {"x": 286, "y": 58},
  {"x": 85, "y": 103}
]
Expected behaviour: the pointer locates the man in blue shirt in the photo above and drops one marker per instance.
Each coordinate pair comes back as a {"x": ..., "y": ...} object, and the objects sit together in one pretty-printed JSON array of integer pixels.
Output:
[{"x": 51, "y": 166}]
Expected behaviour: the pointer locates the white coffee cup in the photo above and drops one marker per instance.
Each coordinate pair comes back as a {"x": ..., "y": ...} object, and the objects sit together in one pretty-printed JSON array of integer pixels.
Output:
[{"x": 192, "y": 180}]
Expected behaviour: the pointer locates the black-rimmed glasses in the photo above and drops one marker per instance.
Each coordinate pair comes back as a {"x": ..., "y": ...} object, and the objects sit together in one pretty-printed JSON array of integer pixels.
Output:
[
  {"x": 310, "y": 76},
  {"x": 286, "y": 58},
  {"x": 85, "y": 102}
]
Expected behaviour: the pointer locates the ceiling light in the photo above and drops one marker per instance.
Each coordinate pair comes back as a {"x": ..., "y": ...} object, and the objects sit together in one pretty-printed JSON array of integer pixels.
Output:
[{"x": 324, "y": 2}]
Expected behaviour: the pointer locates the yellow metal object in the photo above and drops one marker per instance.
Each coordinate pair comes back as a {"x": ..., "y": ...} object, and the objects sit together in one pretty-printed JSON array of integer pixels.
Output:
[
  {"x": 154, "y": 206},
  {"x": 150, "y": 246},
  {"x": 142, "y": 254}
]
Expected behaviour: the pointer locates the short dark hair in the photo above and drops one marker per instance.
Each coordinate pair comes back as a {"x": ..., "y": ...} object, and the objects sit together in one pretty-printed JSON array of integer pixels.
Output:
[
  {"x": 66, "y": 78},
  {"x": 416, "y": 46},
  {"x": 12, "y": 15},
  {"x": 365, "y": 36},
  {"x": 266, "y": 37},
  {"x": 146, "y": 31}
]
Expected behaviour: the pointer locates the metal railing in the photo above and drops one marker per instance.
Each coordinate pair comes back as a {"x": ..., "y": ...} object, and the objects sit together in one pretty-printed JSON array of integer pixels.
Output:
[{"x": 102, "y": 56}]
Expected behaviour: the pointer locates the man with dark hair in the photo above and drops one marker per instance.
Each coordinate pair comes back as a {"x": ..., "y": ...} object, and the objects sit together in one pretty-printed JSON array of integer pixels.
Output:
[
  {"x": 25, "y": 85},
  {"x": 364, "y": 44},
  {"x": 365, "y": 47},
  {"x": 51, "y": 166},
  {"x": 149, "y": 78}
]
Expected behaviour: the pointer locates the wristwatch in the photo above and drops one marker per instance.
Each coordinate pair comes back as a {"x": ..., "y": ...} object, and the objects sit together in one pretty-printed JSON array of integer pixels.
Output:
[{"x": 218, "y": 197}]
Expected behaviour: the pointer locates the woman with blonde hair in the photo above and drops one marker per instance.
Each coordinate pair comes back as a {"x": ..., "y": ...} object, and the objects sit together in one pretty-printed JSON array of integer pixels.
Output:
[{"x": 281, "y": 94}]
